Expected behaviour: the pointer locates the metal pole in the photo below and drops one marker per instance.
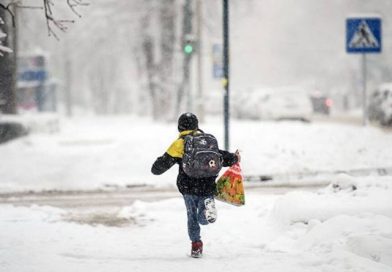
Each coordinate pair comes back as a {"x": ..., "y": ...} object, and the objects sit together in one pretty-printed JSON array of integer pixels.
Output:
[
  {"x": 226, "y": 81},
  {"x": 364, "y": 91}
]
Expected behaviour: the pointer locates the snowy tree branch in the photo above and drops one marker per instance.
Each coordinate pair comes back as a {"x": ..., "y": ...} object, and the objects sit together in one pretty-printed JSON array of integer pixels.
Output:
[
  {"x": 73, "y": 4},
  {"x": 52, "y": 22},
  {"x": 8, "y": 9}
]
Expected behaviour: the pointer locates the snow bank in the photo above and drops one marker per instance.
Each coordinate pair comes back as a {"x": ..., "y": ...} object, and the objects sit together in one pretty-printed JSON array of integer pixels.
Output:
[
  {"x": 244, "y": 238},
  {"x": 349, "y": 221},
  {"x": 36, "y": 123},
  {"x": 345, "y": 196},
  {"x": 368, "y": 236}
]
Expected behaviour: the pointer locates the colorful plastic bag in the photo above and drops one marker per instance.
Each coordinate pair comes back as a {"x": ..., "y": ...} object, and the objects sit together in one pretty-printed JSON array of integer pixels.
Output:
[{"x": 230, "y": 187}]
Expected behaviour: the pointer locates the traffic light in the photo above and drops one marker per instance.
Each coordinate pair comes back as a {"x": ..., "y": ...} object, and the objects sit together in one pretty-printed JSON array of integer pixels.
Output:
[
  {"x": 189, "y": 44},
  {"x": 188, "y": 48}
]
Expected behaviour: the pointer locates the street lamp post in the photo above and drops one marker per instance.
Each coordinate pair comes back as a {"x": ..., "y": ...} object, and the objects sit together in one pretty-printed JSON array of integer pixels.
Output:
[{"x": 226, "y": 74}]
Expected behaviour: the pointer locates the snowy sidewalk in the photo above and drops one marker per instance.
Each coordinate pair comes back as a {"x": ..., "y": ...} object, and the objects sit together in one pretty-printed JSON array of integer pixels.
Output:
[{"x": 299, "y": 231}]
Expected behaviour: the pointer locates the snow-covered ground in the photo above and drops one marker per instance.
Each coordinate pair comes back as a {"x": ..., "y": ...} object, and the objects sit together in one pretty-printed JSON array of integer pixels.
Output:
[
  {"x": 346, "y": 226},
  {"x": 334, "y": 229},
  {"x": 93, "y": 152}
]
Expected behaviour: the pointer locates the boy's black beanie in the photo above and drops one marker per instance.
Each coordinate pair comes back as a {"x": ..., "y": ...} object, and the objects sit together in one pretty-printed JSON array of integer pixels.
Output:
[{"x": 187, "y": 121}]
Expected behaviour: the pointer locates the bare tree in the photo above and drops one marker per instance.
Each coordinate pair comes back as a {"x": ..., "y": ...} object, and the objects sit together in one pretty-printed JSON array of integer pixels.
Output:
[
  {"x": 7, "y": 66},
  {"x": 7, "y": 15},
  {"x": 52, "y": 22},
  {"x": 127, "y": 53},
  {"x": 158, "y": 48},
  {"x": 9, "y": 41}
]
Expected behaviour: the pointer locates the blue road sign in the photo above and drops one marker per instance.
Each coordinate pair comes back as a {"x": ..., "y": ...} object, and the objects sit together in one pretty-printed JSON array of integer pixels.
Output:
[
  {"x": 363, "y": 35},
  {"x": 217, "y": 61},
  {"x": 33, "y": 75}
]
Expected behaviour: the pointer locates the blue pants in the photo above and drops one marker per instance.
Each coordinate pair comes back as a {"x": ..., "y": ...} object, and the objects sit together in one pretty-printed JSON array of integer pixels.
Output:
[{"x": 195, "y": 209}]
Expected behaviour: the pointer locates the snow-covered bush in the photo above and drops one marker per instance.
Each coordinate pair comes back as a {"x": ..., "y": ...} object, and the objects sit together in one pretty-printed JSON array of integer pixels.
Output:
[{"x": 3, "y": 49}]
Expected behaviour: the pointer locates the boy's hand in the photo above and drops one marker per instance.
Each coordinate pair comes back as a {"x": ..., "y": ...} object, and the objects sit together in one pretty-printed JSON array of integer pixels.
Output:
[{"x": 237, "y": 153}]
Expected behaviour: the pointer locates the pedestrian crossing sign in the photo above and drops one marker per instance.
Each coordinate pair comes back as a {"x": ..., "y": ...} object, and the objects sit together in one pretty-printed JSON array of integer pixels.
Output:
[{"x": 363, "y": 35}]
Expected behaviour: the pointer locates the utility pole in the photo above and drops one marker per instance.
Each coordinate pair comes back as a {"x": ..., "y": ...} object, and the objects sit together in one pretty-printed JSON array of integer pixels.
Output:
[
  {"x": 226, "y": 71},
  {"x": 364, "y": 92}
]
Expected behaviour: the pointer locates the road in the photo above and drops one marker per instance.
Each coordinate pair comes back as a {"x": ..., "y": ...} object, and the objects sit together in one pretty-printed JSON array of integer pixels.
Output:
[
  {"x": 118, "y": 197},
  {"x": 103, "y": 206}
]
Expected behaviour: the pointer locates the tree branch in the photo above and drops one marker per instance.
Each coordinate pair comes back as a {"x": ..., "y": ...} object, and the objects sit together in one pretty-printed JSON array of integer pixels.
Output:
[
  {"x": 8, "y": 8},
  {"x": 52, "y": 22},
  {"x": 73, "y": 4}
]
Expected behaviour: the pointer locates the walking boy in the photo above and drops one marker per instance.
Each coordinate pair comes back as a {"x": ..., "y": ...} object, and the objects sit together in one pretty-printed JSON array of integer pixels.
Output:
[{"x": 195, "y": 183}]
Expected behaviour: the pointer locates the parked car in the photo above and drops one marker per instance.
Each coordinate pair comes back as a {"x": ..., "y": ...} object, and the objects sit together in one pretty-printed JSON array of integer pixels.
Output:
[
  {"x": 380, "y": 105},
  {"x": 244, "y": 104},
  {"x": 321, "y": 104},
  {"x": 276, "y": 104}
]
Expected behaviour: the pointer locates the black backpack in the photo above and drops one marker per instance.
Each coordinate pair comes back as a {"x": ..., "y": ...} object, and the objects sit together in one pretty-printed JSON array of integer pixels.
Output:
[{"x": 201, "y": 155}]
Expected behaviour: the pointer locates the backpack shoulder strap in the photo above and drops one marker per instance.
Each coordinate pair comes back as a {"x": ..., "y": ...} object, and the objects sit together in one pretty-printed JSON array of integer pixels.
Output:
[{"x": 193, "y": 133}]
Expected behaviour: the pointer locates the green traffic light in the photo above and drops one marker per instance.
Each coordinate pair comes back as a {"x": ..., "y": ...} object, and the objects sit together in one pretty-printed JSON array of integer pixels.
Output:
[{"x": 188, "y": 49}]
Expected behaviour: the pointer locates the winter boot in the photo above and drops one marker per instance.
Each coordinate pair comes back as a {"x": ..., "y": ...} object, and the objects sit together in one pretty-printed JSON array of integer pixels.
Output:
[
  {"x": 197, "y": 249},
  {"x": 210, "y": 211}
]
